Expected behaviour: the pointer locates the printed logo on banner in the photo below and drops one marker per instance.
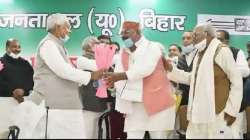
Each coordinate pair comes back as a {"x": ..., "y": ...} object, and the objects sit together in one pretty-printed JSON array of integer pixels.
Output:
[
  {"x": 236, "y": 25},
  {"x": 242, "y": 25},
  {"x": 34, "y": 20},
  {"x": 160, "y": 22},
  {"x": 105, "y": 21}
]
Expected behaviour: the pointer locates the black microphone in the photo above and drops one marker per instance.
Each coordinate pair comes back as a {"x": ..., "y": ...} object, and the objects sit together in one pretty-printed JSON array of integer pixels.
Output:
[{"x": 47, "y": 119}]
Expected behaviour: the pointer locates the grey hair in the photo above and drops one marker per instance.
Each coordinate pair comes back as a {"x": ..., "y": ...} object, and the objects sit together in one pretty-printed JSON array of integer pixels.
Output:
[
  {"x": 206, "y": 27},
  {"x": 56, "y": 19},
  {"x": 88, "y": 40}
]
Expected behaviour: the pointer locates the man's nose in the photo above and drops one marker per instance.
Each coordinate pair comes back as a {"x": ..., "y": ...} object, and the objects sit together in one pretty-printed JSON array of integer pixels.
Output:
[{"x": 18, "y": 50}]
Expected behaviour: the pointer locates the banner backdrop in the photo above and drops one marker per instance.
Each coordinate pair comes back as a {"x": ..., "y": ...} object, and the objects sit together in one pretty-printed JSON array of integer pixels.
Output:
[
  {"x": 235, "y": 25},
  {"x": 162, "y": 20}
]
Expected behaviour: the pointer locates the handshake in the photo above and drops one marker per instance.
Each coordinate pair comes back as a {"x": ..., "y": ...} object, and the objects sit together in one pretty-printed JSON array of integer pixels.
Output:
[{"x": 109, "y": 77}]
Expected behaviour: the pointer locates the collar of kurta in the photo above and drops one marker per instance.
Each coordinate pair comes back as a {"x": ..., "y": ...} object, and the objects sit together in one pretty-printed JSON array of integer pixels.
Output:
[
  {"x": 141, "y": 42},
  {"x": 10, "y": 59},
  {"x": 56, "y": 39},
  {"x": 203, "y": 48}
]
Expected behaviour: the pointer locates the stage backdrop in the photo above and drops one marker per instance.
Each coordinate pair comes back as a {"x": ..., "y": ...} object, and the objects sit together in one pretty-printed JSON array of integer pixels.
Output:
[{"x": 162, "y": 20}]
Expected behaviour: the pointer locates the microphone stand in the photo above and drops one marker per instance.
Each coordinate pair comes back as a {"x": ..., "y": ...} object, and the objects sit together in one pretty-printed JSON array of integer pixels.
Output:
[{"x": 47, "y": 119}]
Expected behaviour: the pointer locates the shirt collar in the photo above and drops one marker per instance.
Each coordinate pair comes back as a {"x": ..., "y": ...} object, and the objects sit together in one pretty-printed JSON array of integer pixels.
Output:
[
  {"x": 141, "y": 42},
  {"x": 8, "y": 57},
  {"x": 56, "y": 39}
]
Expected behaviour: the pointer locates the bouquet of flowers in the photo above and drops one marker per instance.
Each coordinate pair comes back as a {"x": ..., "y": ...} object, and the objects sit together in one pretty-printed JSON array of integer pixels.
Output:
[{"x": 104, "y": 54}]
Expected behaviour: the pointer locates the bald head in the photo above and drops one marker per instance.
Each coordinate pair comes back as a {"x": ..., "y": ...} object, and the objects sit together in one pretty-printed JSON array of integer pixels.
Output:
[{"x": 13, "y": 45}]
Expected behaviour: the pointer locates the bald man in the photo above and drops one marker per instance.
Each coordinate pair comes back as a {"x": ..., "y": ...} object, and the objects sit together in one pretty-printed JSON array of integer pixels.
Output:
[{"x": 16, "y": 80}]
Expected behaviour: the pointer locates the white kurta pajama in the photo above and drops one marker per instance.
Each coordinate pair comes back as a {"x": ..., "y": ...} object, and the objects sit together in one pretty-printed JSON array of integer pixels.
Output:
[
  {"x": 56, "y": 81},
  {"x": 242, "y": 65},
  {"x": 203, "y": 122},
  {"x": 7, "y": 106},
  {"x": 142, "y": 63},
  {"x": 90, "y": 117}
]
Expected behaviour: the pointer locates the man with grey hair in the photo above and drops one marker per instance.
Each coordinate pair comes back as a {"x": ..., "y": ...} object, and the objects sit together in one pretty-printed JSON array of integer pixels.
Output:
[
  {"x": 56, "y": 81},
  {"x": 93, "y": 106},
  {"x": 215, "y": 87}
]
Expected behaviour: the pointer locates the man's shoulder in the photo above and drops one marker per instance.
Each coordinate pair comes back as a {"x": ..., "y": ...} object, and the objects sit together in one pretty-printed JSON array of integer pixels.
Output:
[
  {"x": 223, "y": 45},
  {"x": 223, "y": 53},
  {"x": 157, "y": 45},
  {"x": 24, "y": 61},
  {"x": 3, "y": 59},
  {"x": 47, "y": 42}
]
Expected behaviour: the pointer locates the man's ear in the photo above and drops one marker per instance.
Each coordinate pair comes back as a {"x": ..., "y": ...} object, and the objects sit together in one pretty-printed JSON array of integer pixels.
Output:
[{"x": 8, "y": 49}]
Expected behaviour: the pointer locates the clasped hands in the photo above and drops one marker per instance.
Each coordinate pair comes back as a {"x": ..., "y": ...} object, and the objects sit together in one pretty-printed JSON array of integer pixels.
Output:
[
  {"x": 109, "y": 77},
  {"x": 18, "y": 94}
]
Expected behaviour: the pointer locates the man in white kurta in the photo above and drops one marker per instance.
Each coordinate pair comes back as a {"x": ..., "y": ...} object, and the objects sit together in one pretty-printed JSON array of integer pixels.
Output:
[
  {"x": 56, "y": 82},
  {"x": 93, "y": 106},
  {"x": 204, "y": 122},
  {"x": 242, "y": 65},
  {"x": 143, "y": 57}
]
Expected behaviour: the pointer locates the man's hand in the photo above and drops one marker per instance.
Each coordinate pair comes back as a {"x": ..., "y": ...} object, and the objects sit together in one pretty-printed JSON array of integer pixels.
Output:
[
  {"x": 167, "y": 64},
  {"x": 111, "y": 78},
  {"x": 18, "y": 95},
  {"x": 97, "y": 74},
  {"x": 229, "y": 119}
]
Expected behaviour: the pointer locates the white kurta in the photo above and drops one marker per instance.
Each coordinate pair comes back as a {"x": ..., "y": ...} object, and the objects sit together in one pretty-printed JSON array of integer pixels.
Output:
[
  {"x": 85, "y": 63},
  {"x": 63, "y": 123},
  {"x": 225, "y": 60},
  {"x": 140, "y": 121},
  {"x": 142, "y": 63},
  {"x": 7, "y": 106},
  {"x": 242, "y": 65},
  {"x": 52, "y": 57},
  {"x": 216, "y": 130}
]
